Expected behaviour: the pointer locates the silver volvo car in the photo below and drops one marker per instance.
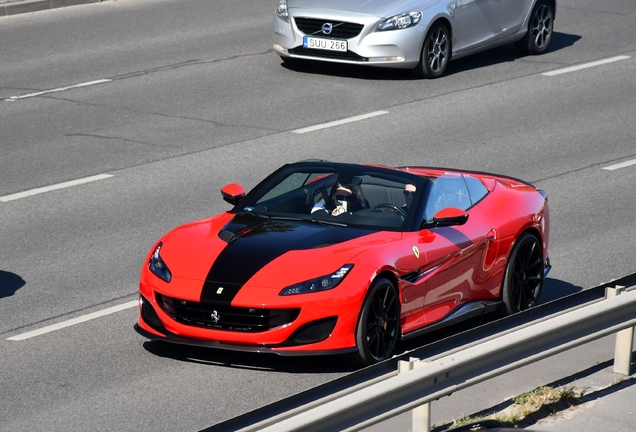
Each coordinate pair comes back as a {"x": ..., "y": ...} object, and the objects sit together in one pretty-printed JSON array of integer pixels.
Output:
[{"x": 422, "y": 35}]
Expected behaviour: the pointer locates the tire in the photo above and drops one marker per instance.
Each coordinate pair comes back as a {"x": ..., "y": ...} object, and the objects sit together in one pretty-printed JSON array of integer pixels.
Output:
[
  {"x": 378, "y": 326},
  {"x": 540, "y": 27},
  {"x": 436, "y": 52},
  {"x": 524, "y": 275}
]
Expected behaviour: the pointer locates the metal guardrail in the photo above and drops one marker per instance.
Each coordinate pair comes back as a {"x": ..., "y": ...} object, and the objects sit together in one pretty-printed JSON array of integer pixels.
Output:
[{"x": 345, "y": 404}]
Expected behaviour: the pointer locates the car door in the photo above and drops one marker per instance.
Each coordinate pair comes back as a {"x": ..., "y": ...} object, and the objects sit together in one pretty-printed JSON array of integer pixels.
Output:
[
  {"x": 479, "y": 22},
  {"x": 513, "y": 14},
  {"x": 456, "y": 269}
]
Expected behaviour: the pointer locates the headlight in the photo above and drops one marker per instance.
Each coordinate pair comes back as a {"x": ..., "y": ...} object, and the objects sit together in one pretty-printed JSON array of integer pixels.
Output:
[
  {"x": 398, "y": 22},
  {"x": 158, "y": 267},
  {"x": 319, "y": 284},
  {"x": 281, "y": 10}
]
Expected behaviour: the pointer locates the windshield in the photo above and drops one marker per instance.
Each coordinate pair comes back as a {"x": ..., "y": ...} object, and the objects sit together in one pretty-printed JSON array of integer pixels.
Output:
[{"x": 337, "y": 194}]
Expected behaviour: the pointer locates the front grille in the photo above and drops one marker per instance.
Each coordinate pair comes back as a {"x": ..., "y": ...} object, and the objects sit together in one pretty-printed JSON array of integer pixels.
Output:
[
  {"x": 225, "y": 317},
  {"x": 341, "y": 30},
  {"x": 338, "y": 55}
]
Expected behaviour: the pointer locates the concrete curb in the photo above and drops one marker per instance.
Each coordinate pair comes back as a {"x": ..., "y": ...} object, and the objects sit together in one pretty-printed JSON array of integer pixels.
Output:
[{"x": 24, "y": 6}]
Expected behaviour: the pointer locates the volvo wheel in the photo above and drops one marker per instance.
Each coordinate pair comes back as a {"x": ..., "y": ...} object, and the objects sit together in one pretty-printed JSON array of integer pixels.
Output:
[
  {"x": 540, "y": 28},
  {"x": 436, "y": 52}
]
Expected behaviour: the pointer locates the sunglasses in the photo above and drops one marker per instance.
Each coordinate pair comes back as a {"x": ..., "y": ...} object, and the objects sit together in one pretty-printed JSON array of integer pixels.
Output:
[
  {"x": 343, "y": 197},
  {"x": 407, "y": 193}
]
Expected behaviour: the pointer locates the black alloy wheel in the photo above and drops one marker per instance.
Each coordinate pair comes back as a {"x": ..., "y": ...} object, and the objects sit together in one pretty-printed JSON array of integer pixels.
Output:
[
  {"x": 540, "y": 28},
  {"x": 378, "y": 327},
  {"x": 524, "y": 275},
  {"x": 436, "y": 52}
]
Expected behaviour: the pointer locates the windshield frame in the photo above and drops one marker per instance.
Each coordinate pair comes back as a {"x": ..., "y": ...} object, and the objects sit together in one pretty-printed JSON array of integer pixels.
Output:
[{"x": 324, "y": 176}]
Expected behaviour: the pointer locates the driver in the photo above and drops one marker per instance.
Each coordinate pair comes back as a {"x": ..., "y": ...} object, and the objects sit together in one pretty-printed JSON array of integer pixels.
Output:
[
  {"x": 409, "y": 192},
  {"x": 343, "y": 199}
]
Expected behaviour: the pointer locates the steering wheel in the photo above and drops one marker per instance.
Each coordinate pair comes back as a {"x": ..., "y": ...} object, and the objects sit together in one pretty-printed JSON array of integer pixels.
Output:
[{"x": 391, "y": 207}]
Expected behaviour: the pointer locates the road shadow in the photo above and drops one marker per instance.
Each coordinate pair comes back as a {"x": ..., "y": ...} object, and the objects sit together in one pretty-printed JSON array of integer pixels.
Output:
[
  {"x": 507, "y": 53},
  {"x": 251, "y": 361},
  {"x": 10, "y": 283},
  {"x": 554, "y": 289},
  {"x": 503, "y": 54}
]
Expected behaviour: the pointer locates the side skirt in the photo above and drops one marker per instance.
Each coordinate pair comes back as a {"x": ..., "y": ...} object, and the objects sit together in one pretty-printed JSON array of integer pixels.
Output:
[{"x": 467, "y": 311}]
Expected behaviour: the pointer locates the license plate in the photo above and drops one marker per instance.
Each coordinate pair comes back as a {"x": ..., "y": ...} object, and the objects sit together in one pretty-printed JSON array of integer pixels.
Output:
[{"x": 324, "y": 44}]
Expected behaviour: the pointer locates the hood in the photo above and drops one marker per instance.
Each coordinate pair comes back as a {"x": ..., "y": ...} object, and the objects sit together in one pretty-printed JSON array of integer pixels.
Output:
[
  {"x": 231, "y": 254},
  {"x": 380, "y": 8}
]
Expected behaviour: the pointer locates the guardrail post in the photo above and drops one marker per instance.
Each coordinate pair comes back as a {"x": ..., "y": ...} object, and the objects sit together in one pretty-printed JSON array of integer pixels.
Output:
[
  {"x": 624, "y": 341},
  {"x": 421, "y": 421}
]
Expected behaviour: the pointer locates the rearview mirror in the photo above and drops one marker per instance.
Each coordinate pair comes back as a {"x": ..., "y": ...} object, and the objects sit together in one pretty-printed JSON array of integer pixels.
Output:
[{"x": 233, "y": 193}]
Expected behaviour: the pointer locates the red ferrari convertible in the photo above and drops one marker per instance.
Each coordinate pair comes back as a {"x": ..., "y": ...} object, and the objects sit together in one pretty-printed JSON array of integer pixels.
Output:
[{"x": 334, "y": 258}]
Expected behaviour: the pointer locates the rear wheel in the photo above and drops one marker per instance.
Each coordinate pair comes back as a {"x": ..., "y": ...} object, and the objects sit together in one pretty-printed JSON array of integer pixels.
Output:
[
  {"x": 379, "y": 324},
  {"x": 540, "y": 27},
  {"x": 436, "y": 52},
  {"x": 524, "y": 274}
]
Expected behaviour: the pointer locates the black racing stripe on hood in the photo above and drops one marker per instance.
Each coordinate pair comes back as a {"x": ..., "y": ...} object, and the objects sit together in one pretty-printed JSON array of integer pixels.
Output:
[{"x": 256, "y": 243}]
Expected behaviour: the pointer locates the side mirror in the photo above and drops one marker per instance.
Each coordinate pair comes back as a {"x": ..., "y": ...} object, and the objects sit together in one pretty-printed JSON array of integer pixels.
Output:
[
  {"x": 233, "y": 193},
  {"x": 449, "y": 216}
]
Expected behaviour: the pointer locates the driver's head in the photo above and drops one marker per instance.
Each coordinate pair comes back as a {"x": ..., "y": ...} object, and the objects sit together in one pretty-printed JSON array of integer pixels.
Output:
[
  {"x": 409, "y": 191},
  {"x": 341, "y": 193}
]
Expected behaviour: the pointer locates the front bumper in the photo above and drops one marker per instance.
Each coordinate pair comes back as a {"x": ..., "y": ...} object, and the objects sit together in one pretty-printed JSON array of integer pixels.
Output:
[
  {"x": 322, "y": 323},
  {"x": 172, "y": 338},
  {"x": 397, "y": 49}
]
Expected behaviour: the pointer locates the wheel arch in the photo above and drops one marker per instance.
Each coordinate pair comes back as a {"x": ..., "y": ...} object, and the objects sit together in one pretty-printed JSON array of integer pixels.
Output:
[
  {"x": 447, "y": 22},
  {"x": 530, "y": 230},
  {"x": 526, "y": 229},
  {"x": 554, "y": 7}
]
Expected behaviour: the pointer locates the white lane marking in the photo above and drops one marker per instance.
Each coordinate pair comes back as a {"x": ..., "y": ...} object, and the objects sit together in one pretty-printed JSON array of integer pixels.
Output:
[
  {"x": 585, "y": 66},
  {"x": 74, "y": 321},
  {"x": 60, "y": 89},
  {"x": 44, "y": 189},
  {"x": 339, "y": 122},
  {"x": 620, "y": 165}
]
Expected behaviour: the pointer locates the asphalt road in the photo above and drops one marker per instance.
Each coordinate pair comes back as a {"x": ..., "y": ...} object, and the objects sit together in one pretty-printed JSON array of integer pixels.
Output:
[{"x": 186, "y": 96}]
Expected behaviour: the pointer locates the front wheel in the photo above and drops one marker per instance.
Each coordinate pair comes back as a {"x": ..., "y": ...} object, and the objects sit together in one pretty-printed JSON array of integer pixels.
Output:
[
  {"x": 436, "y": 52},
  {"x": 379, "y": 324},
  {"x": 524, "y": 275},
  {"x": 540, "y": 26}
]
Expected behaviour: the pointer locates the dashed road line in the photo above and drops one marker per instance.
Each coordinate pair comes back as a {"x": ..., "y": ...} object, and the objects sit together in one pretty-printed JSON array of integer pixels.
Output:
[
  {"x": 620, "y": 165},
  {"x": 71, "y": 322},
  {"x": 585, "y": 65},
  {"x": 60, "y": 89},
  {"x": 44, "y": 189},
  {"x": 340, "y": 122}
]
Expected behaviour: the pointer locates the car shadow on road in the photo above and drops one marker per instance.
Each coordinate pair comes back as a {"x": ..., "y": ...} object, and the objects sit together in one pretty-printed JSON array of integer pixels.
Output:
[
  {"x": 10, "y": 283},
  {"x": 507, "y": 53},
  {"x": 504, "y": 54},
  {"x": 554, "y": 289},
  {"x": 246, "y": 360}
]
